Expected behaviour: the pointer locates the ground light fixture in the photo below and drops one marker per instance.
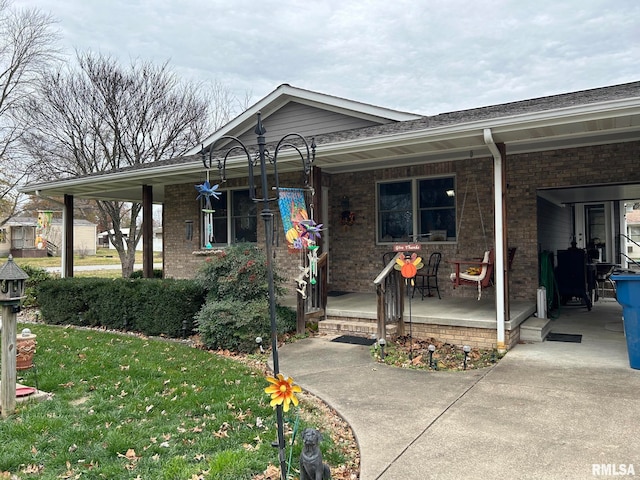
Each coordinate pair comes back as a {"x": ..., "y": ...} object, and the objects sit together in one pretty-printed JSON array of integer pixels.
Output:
[
  {"x": 259, "y": 342},
  {"x": 233, "y": 147},
  {"x": 466, "y": 349},
  {"x": 382, "y": 342},
  {"x": 431, "y": 348}
]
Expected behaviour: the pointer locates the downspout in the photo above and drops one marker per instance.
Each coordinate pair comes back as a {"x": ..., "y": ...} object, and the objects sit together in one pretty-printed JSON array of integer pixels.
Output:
[
  {"x": 499, "y": 237},
  {"x": 63, "y": 255}
]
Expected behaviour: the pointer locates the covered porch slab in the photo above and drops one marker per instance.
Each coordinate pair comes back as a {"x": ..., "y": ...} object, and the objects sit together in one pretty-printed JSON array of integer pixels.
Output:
[{"x": 455, "y": 320}]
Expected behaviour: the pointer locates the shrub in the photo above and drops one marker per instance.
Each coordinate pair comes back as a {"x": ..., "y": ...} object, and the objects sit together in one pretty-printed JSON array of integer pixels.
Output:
[
  {"x": 237, "y": 306},
  {"x": 152, "y": 307},
  {"x": 238, "y": 272},
  {"x": 36, "y": 276},
  {"x": 234, "y": 324}
]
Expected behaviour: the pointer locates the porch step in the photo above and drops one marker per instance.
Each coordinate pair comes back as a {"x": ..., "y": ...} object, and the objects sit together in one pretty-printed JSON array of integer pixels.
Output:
[
  {"x": 351, "y": 326},
  {"x": 534, "y": 329}
]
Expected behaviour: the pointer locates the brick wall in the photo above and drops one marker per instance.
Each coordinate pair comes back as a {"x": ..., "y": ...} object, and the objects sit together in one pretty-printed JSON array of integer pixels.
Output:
[
  {"x": 472, "y": 336},
  {"x": 355, "y": 259},
  {"x": 181, "y": 206}
]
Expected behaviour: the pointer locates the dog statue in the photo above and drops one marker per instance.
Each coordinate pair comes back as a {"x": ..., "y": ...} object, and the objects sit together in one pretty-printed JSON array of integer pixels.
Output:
[{"x": 311, "y": 466}]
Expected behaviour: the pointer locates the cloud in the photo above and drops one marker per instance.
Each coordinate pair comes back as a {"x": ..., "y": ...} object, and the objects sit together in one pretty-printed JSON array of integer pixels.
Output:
[{"x": 425, "y": 57}]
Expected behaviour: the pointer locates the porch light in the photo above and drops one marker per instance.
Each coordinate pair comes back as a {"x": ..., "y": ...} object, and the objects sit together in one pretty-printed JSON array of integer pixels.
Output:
[
  {"x": 466, "y": 349},
  {"x": 307, "y": 154}
]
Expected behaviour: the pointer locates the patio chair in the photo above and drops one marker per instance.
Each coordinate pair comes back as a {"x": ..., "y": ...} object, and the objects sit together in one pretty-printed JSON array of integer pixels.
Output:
[
  {"x": 474, "y": 272},
  {"x": 427, "y": 277}
]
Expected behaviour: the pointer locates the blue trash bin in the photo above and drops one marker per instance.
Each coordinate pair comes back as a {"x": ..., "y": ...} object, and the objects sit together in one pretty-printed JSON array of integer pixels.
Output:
[{"x": 628, "y": 293}]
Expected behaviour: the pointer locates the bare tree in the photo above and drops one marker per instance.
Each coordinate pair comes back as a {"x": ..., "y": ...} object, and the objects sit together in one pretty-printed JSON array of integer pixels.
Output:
[
  {"x": 103, "y": 117},
  {"x": 27, "y": 49}
]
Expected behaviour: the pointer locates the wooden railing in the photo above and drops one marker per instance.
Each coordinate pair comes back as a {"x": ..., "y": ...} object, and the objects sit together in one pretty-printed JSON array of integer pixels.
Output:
[
  {"x": 314, "y": 303},
  {"x": 390, "y": 298}
]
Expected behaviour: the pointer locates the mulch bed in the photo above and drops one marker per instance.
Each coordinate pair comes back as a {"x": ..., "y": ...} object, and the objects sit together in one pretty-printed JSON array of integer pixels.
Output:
[{"x": 407, "y": 353}]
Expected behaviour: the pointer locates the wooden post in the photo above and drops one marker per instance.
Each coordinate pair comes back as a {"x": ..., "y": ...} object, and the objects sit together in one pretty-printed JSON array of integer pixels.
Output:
[
  {"x": 8, "y": 379},
  {"x": 147, "y": 231},
  {"x": 67, "y": 229}
]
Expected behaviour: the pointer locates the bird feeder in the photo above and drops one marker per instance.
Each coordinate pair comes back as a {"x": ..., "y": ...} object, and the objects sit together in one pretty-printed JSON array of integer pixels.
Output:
[
  {"x": 12, "y": 280},
  {"x": 12, "y": 283}
]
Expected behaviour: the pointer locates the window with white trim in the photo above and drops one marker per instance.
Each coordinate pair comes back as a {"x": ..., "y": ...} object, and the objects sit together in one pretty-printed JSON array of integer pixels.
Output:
[
  {"x": 417, "y": 210},
  {"x": 233, "y": 219}
]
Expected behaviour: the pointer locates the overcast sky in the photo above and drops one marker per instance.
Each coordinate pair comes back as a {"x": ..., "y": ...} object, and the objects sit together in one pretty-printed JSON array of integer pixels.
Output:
[{"x": 421, "y": 56}]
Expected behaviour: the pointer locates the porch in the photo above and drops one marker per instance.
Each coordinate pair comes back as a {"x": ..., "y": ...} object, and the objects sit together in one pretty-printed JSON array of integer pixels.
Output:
[
  {"x": 463, "y": 320},
  {"x": 454, "y": 320}
]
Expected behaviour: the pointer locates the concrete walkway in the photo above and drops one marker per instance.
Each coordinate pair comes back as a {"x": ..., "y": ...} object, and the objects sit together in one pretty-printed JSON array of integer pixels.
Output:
[{"x": 549, "y": 410}]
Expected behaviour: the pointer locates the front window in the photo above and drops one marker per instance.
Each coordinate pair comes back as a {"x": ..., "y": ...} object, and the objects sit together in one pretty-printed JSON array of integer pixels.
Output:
[
  {"x": 232, "y": 219},
  {"x": 421, "y": 210},
  {"x": 395, "y": 211}
]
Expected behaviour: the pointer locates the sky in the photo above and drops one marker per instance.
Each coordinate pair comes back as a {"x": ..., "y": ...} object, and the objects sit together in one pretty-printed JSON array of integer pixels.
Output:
[{"x": 419, "y": 56}]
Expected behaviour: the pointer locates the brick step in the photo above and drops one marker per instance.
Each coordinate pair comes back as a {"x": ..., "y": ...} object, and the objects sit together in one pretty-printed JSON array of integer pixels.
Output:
[{"x": 352, "y": 326}]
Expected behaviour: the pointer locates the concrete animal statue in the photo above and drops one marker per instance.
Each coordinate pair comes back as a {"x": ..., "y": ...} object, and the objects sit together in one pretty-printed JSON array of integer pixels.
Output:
[{"x": 311, "y": 466}]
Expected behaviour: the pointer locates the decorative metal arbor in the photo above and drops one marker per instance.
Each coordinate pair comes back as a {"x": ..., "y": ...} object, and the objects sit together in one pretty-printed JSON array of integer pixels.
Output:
[{"x": 263, "y": 157}]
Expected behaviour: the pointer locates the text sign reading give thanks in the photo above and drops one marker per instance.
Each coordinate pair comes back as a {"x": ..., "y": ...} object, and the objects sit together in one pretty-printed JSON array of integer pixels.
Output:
[{"x": 406, "y": 247}]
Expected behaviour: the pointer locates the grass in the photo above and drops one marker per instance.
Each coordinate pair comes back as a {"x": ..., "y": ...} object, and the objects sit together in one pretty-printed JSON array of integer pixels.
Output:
[
  {"x": 103, "y": 256},
  {"x": 130, "y": 407}
]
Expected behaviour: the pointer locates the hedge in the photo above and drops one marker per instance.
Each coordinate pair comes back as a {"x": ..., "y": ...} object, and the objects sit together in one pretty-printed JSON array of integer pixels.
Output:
[{"x": 148, "y": 306}]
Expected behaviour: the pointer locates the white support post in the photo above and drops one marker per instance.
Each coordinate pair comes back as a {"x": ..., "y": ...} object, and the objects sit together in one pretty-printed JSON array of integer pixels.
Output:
[{"x": 499, "y": 239}]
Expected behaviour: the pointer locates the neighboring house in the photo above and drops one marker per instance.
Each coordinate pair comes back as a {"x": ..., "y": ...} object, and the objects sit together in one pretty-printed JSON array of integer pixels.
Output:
[
  {"x": 103, "y": 239},
  {"x": 28, "y": 237},
  {"x": 633, "y": 233},
  {"x": 532, "y": 174}
]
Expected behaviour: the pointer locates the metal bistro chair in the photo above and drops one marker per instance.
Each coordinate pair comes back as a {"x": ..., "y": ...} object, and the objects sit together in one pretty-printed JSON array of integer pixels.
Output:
[{"x": 427, "y": 276}]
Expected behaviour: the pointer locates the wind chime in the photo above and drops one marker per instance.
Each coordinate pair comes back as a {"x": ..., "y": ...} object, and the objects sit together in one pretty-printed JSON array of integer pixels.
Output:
[{"x": 206, "y": 191}]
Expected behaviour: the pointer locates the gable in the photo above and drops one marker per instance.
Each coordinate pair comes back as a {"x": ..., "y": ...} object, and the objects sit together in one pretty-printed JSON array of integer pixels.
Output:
[{"x": 305, "y": 120}]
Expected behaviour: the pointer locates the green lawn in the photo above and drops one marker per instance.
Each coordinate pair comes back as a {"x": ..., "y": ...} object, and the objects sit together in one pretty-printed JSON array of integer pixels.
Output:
[
  {"x": 129, "y": 407},
  {"x": 103, "y": 257}
]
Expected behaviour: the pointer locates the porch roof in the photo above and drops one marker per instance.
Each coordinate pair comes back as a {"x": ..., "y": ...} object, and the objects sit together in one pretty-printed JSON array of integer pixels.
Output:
[{"x": 591, "y": 117}]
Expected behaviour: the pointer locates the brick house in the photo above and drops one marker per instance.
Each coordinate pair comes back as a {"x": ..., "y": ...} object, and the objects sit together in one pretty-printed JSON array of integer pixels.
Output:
[{"x": 532, "y": 174}]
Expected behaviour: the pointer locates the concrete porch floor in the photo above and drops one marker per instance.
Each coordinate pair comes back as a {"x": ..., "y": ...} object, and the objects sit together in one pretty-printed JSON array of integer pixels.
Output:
[
  {"x": 601, "y": 327},
  {"x": 463, "y": 312}
]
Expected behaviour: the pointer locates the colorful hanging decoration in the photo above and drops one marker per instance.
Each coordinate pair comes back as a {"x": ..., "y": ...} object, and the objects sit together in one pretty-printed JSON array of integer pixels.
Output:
[
  {"x": 293, "y": 210},
  {"x": 409, "y": 266},
  {"x": 43, "y": 227},
  {"x": 206, "y": 191}
]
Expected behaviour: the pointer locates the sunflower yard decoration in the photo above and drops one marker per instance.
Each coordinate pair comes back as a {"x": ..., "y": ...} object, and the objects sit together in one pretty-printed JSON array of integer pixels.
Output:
[{"x": 282, "y": 391}]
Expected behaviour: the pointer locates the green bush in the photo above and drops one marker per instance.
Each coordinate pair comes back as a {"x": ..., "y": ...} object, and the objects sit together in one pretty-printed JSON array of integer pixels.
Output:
[
  {"x": 152, "y": 307},
  {"x": 36, "y": 276},
  {"x": 237, "y": 306},
  {"x": 238, "y": 272},
  {"x": 235, "y": 325}
]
